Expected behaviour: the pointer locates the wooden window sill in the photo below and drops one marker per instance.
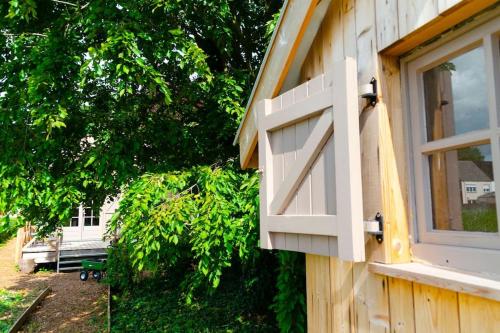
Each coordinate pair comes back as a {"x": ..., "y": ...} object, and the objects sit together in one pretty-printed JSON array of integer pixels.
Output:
[{"x": 444, "y": 278}]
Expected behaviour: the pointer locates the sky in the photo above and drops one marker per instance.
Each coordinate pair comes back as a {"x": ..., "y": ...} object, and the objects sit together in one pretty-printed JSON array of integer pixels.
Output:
[{"x": 470, "y": 98}]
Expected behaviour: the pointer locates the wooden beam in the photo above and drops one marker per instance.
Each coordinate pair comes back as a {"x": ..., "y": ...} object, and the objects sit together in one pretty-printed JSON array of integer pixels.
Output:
[
  {"x": 444, "y": 21},
  {"x": 303, "y": 224},
  {"x": 293, "y": 75},
  {"x": 266, "y": 184},
  {"x": 307, "y": 108},
  {"x": 441, "y": 278},
  {"x": 348, "y": 170},
  {"x": 295, "y": 19},
  {"x": 22, "y": 318}
]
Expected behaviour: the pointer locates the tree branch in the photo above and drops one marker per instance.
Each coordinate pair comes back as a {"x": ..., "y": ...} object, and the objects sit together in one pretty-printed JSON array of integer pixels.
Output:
[
  {"x": 66, "y": 3},
  {"x": 24, "y": 33}
]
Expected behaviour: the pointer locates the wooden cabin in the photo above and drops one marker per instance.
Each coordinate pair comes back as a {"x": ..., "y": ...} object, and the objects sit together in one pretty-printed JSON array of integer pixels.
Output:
[{"x": 372, "y": 122}]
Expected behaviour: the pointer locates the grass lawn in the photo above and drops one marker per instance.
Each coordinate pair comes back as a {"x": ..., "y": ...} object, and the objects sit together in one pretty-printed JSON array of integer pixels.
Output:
[
  {"x": 153, "y": 308},
  {"x": 480, "y": 219},
  {"x": 12, "y": 304}
]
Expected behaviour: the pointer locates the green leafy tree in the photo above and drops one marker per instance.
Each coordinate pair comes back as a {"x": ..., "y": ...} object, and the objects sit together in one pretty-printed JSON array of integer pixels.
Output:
[
  {"x": 470, "y": 154},
  {"x": 95, "y": 94},
  {"x": 205, "y": 214},
  {"x": 139, "y": 97}
]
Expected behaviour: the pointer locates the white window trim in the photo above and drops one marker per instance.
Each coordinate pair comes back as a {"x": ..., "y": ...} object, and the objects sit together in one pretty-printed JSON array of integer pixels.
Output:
[
  {"x": 92, "y": 216},
  {"x": 469, "y": 251}
]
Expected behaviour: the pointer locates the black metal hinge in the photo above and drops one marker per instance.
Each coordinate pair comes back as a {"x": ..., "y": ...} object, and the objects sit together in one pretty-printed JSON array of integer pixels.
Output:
[{"x": 376, "y": 227}]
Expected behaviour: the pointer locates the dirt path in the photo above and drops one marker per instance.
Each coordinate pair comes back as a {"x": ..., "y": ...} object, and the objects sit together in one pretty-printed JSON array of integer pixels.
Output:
[{"x": 72, "y": 306}]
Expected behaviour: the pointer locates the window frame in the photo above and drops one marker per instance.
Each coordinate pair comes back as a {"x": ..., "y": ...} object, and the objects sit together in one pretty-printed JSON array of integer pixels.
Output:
[
  {"x": 470, "y": 188},
  {"x": 93, "y": 217},
  {"x": 458, "y": 249}
]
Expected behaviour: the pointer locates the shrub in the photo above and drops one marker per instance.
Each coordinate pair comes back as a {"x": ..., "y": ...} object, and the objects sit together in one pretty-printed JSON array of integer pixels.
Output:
[
  {"x": 199, "y": 227},
  {"x": 8, "y": 227},
  {"x": 289, "y": 302}
]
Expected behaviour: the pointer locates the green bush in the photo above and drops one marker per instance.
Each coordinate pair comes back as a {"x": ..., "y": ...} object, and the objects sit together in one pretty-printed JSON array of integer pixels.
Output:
[
  {"x": 289, "y": 302},
  {"x": 8, "y": 227},
  {"x": 157, "y": 305},
  {"x": 119, "y": 271},
  {"x": 199, "y": 227},
  {"x": 201, "y": 219}
]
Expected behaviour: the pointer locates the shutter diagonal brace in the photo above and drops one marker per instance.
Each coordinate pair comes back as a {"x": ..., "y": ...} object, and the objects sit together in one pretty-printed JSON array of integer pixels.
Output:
[{"x": 305, "y": 159}]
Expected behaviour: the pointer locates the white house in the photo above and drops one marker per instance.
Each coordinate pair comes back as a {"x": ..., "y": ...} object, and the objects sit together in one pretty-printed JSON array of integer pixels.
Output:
[
  {"x": 88, "y": 224},
  {"x": 476, "y": 180},
  {"x": 82, "y": 237}
]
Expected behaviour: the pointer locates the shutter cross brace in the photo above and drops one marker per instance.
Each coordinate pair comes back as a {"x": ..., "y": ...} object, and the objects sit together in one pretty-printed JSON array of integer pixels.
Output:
[{"x": 376, "y": 227}]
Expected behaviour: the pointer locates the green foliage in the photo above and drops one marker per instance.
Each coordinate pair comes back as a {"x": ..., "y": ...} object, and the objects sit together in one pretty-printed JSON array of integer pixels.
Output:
[
  {"x": 12, "y": 303},
  {"x": 8, "y": 227},
  {"x": 155, "y": 307},
  {"x": 103, "y": 97},
  {"x": 470, "y": 154},
  {"x": 207, "y": 215},
  {"x": 93, "y": 95},
  {"x": 271, "y": 24},
  {"x": 119, "y": 270},
  {"x": 289, "y": 302}
]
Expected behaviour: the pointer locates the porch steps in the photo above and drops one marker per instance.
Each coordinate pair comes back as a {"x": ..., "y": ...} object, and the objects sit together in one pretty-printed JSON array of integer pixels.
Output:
[{"x": 71, "y": 260}]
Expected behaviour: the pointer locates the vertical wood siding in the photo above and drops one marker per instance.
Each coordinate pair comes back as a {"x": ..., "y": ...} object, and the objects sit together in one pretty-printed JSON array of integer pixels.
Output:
[
  {"x": 346, "y": 297},
  {"x": 343, "y": 297}
]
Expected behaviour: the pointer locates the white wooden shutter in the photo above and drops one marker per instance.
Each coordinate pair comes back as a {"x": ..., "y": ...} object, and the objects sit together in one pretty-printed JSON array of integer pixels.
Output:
[{"x": 309, "y": 156}]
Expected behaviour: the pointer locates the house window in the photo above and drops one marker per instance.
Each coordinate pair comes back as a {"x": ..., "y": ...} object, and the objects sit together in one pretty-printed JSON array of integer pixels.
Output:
[
  {"x": 89, "y": 217},
  {"x": 75, "y": 216},
  {"x": 84, "y": 216},
  {"x": 471, "y": 189},
  {"x": 454, "y": 99}
]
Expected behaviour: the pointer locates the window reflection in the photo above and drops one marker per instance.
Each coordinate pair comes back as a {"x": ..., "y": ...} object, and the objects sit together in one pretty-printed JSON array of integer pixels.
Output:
[
  {"x": 463, "y": 189},
  {"x": 456, "y": 96}
]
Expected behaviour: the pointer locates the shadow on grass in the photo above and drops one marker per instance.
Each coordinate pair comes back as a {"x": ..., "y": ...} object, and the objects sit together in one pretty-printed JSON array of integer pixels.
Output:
[{"x": 72, "y": 305}]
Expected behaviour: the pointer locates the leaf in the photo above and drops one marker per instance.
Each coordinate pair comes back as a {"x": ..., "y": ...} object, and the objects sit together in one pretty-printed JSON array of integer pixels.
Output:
[{"x": 90, "y": 161}]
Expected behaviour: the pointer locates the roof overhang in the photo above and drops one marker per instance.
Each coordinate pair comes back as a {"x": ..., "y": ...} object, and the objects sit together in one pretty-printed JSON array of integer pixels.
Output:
[{"x": 294, "y": 33}]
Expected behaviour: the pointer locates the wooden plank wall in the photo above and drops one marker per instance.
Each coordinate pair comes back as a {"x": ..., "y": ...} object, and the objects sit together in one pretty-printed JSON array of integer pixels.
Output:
[{"x": 346, "y": 297}]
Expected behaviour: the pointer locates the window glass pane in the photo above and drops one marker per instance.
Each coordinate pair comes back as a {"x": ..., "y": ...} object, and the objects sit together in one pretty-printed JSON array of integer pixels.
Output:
[
  {"x": 95, "y": 221},
  {"x": 87, "y": 212},
  {"x": 73, "y": 222},
  {"x": 463, "y": 190},
  {"x": 88, "y": 221},
  {"x": 456, "y": 98}
]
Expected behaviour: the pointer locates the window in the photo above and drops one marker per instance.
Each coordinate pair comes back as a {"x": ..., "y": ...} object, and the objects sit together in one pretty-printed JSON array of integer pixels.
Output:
[
  {"x": 73, "y": 222},
  {"x": 453, "y": 109},
  {"x": 89, "y": 218},
  {"x": 471, "y": 189}
]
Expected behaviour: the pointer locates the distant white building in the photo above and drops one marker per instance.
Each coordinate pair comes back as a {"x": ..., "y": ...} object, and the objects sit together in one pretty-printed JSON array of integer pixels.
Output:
[
  {"x": 89, "y": 224},
  {"x": 476, "y": 181}
]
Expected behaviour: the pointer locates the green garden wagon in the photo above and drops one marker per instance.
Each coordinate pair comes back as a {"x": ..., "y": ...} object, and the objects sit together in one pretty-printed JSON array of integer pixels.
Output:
[{"x": 96, "y": 268}]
